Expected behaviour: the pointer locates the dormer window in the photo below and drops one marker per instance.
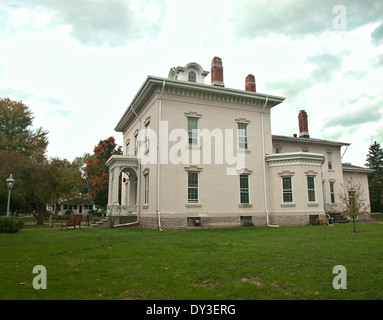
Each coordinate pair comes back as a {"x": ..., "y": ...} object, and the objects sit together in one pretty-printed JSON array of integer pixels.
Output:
[
  {"x": 192, "y": 72},
  {"x": 192, "y": 77}
]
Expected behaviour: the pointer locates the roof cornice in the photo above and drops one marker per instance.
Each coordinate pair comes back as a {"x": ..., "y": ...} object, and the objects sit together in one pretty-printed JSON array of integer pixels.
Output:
[
  {"x": 294, "y": 158},
  {"x": 197, "y": 90},
  {"x": 351, "y": 168},
  {"x": 308, "y": 141}
]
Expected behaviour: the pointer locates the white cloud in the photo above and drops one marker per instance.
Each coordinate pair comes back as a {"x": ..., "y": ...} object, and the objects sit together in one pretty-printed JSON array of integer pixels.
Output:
[
  {"x": 78, "y": 64},
  {"x": 297, "y": 19}
]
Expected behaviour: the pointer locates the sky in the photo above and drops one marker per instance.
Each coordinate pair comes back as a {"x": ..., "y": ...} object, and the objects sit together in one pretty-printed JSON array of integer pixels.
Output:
[{"x": 77, "y": 64}]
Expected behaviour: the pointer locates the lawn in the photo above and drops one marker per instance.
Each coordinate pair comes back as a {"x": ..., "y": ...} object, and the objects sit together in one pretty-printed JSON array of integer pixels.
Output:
[{"x": 219, "y": 264}]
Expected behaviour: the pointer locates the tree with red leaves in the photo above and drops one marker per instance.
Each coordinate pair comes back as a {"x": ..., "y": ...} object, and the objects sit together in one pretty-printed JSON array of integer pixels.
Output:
[{"x": 96, "y": 172}]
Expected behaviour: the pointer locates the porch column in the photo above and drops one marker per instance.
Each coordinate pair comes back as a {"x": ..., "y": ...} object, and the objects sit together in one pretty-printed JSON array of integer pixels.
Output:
[
  {"x": 110, "y": 188},
  {"x": 114, "y": 174}
]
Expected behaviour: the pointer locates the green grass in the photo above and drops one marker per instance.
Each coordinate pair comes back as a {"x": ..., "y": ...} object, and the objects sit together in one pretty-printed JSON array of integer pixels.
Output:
[
  {"x": 377, "y": 217},
  {"x": 234, "y": 263}
]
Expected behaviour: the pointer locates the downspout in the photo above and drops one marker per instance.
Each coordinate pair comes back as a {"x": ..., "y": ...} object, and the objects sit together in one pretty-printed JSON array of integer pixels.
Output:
[
  {"x": 159, "y": 158},
  {"x": 138, "y": 184},
  {"x": 264, "y": 168},
  {"x": 344, "y": 153}
]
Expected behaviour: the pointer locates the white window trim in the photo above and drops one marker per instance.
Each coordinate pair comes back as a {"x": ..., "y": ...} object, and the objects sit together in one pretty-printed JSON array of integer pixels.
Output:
[
  {"x": 127, "y": 145},
  {"x": 147, "y": 136},
  {"x": 194, "y": 133},
  {"x": 242, "y": 204},
  {"x": 315, "y": 192},
  {"x": 292, "y": 190},
  {"x": 330, "y": 161},
  {"x": 146, "y": 188},
  {"x": 246, "y": 135},
  {"x": 136, "y": 143},
  {"x": 190, "y": 79},
  {"x": 332, "y": 182},
  {"x": 198, "y": 185}
]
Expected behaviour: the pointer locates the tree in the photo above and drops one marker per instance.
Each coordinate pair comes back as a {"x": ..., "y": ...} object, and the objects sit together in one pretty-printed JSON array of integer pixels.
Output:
[
  {"x": 38, "y": 180},
  {"x": 15, "y": 132},
  {"x": 38, "y": 183},
  {"x": 375, "y": 179},
  {"x": 67, "y": 180},
  {"x": 96, "y": 172},
  {"x": 353, "y": 200}
]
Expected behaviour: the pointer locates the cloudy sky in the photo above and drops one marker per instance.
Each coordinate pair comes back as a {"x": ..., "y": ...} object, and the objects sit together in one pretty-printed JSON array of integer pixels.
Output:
[{"x": 78, "y": 63}]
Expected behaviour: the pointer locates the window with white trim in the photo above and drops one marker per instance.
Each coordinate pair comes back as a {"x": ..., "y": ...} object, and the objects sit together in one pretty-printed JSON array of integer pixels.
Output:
[
  {"x": 332, "y": 192},
  {"x": 136, "y": 144},
  {"x": 193, "y": 130},
  {"x": 146, "y": 188},
  {"x": 242, "y": 135},
  {"x": 127, "y": 148},
  {"x": 192, "y": 76},
  {"x": 287, "y": 187},
  {"x": 147, "y": 136},
  {"x": 329, "y": 160},
  {"x": 193, "y": 182},
  {"x": 244, "y": 189},
  {"x": 311, "y": 188}
]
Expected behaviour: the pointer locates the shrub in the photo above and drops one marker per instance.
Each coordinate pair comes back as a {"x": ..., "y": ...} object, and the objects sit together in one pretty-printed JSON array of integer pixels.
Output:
[
  {"x": 10, "y": 224},
  {"x": 319, "y": 222}
]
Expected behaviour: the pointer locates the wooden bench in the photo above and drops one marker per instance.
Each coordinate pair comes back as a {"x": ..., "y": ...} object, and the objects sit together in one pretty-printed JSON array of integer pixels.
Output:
[{"x": 73, "y": 221}]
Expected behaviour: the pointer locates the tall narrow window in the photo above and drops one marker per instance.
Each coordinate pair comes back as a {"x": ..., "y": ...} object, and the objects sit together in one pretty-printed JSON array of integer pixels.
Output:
[
  {"x": 332, "y": 192},
  {"x": 127, "y": 148},
  {"x": 329, "y": 160},
  {"x": 192, "y": 77},
  {"x": 242, "y": 135},
  {"x": 146, "y": 193},
  {"x": 193, "y": 187},
  {"x": 136, "y": 144},
  {"x": 311, "y": 188},
  {"x": 147, "y": 136},
  {"x": 193, "y": 131},
  {"x": 287, "y": 187},
  {"x": 244, "y": 188}
]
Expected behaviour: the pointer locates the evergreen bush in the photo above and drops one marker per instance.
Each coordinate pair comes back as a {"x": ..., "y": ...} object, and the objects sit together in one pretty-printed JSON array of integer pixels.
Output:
[{"x": 10, "y": 224}]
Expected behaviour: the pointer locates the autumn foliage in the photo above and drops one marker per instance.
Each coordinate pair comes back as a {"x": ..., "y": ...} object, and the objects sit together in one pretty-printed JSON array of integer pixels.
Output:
[{"x": 97, "y": 176}]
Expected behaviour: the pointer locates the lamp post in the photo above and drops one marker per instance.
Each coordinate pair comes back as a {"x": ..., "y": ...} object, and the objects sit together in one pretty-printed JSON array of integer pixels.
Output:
[{"x": 10, "y": 181}]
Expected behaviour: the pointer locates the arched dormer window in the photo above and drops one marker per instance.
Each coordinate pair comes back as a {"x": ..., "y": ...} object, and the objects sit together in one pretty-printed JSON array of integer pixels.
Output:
[{"x": 192, "y": 77}]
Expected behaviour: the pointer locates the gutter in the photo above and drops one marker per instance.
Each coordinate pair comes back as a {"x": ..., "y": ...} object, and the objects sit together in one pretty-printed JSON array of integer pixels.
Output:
[
  {"x": 159, "y": 158},
  {"x": 264, "y": 168}
]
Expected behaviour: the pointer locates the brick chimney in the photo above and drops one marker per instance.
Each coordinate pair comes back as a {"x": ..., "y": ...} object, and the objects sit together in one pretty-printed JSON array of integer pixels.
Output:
[
  {"x": 250, "y": 83},
  {"x": 303, "y": 124},
  {"x": 217, "y": 72}
]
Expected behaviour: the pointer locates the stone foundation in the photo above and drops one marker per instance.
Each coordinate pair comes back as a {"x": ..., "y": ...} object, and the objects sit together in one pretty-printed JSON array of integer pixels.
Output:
[{"x": 174, "y": 223}]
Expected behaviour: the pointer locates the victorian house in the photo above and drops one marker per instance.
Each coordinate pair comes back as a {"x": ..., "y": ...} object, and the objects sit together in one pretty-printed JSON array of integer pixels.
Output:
[{"x": 202, "y": 155}]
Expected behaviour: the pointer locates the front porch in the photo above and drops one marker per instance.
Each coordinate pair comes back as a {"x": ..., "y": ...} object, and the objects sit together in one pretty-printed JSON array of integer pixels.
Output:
[{"x": 124, "y": 186}]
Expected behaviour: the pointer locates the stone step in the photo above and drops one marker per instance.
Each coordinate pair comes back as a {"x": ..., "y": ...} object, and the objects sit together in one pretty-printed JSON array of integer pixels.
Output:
[
  {"x": 100, "y": 223},
  {"x": 338, "y": 218}
]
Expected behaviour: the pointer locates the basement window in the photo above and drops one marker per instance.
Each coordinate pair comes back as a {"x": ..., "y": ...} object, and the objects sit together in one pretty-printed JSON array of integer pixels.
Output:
[
  {"x": 247, "y": 221},
  {"x": 194, "y": 222}
]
